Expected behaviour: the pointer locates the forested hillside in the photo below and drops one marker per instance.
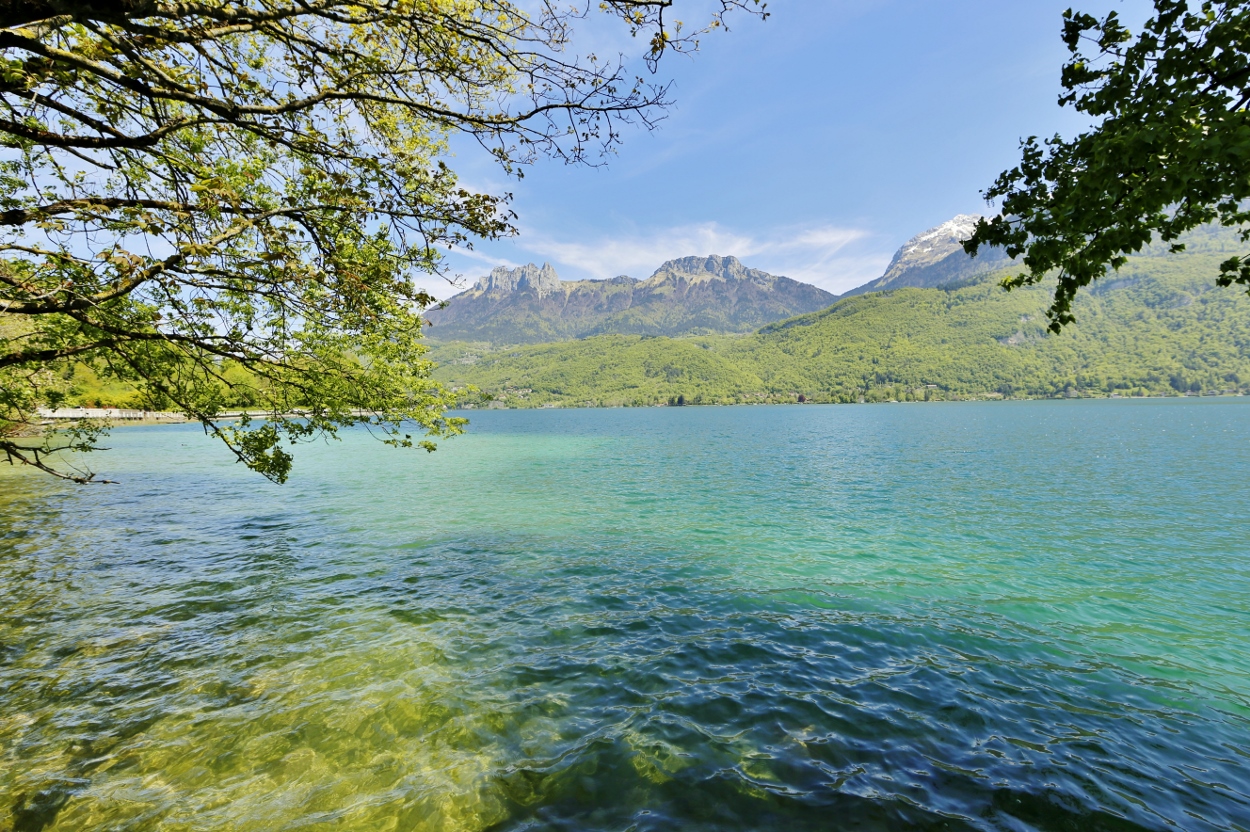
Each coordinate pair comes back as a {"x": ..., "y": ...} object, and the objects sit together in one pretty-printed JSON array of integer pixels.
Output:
[{"x": 1160, "y": 326}]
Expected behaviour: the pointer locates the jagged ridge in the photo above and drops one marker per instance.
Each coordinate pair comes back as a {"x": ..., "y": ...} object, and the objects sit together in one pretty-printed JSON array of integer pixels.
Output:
[
  {"x": 686, "y": 296},
  {"x": 1158, "y": 326}
]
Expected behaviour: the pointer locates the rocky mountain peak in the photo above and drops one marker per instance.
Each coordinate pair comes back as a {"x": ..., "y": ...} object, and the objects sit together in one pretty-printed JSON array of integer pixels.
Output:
[
  {"x": 715, "y": 266},
  {"x": 726, "y": 267},
  {"x": 503, "y": 280},
  {"x": 686, "y": 296},
  {"x": 936, "y": 258},
  {"x": 934, "y": 245}
]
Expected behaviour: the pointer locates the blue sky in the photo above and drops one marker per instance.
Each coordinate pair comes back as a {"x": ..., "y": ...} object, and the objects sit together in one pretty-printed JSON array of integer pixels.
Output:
[{"x": 812, "y": 144}]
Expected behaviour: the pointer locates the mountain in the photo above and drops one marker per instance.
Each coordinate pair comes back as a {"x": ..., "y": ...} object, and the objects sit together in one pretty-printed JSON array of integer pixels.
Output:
[
  {"x": 690, "y": 295},
  {"x": 936, "y": 258},
  {"x": 1160, "y": 326}
]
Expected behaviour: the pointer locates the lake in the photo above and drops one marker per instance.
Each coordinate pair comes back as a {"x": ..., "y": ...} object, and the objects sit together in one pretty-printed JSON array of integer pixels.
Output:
[{"x": 1021, "y": 615}]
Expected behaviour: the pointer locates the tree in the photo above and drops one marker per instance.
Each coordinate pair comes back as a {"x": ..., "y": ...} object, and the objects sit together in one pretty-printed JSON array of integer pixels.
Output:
[
  {"x": 1170, "y": 151},
  {"x": 226, "y": 201}
]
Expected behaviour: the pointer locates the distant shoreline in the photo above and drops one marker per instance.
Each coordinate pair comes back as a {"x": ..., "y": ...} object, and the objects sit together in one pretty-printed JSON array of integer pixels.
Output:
[
  {"x": 159, "y": 418},
  {"x": 982, "y": 399},
  {"x": 123, "y": 417}
]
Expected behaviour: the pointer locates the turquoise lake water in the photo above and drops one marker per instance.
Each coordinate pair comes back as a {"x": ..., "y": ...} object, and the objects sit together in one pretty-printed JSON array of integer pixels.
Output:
[{"x": 1008, "y": 616}]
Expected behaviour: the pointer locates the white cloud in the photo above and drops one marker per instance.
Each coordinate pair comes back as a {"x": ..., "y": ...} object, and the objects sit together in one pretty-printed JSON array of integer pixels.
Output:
[
  {"x": 636, "y": 254},
  {"x": 482, "y": 257},
  {"x": 832, "y": 257}
]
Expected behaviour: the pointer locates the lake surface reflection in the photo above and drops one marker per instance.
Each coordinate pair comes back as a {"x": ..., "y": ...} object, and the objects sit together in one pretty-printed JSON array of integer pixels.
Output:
[{"x": 951, "y": 616}]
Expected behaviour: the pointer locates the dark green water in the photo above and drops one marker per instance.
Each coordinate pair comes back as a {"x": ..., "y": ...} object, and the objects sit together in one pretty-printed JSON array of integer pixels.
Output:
[{"x": 955, "y": 616}]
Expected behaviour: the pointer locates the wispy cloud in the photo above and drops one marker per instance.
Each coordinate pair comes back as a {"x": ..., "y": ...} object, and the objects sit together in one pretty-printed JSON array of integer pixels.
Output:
[
  {"x": 461, "y": 270},
  {"x": 482, "y": 257},
  {"x": 636, "y": 254},
  {"x": 832, "y": 257}
]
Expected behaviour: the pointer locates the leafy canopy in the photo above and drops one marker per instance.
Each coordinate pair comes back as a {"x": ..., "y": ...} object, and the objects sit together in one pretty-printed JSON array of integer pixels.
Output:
[
  {"x": 1170, "y": 152},
  {"x": 224, "y": 203}
]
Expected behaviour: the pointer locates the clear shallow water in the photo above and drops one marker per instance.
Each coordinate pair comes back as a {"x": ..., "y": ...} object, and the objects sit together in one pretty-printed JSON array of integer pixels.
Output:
[{"x": 957, "y": 616}]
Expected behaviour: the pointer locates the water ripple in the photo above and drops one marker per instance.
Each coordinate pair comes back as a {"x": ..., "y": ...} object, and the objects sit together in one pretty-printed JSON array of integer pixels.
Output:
[{"x": 742, "y": 618}]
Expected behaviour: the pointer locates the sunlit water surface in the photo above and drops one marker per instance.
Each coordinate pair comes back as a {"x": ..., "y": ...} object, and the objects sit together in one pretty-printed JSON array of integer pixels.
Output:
[{"x": 951, "y": 616}]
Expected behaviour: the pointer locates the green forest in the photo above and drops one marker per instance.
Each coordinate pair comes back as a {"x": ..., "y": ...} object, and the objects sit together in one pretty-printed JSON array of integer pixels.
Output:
[{"x": 1160, "y": 326}]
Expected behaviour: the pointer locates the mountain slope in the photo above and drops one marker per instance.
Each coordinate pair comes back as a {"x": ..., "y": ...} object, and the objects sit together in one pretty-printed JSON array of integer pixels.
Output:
[
  {"x": 1160, "y": 326},
  {"x": 936, "y": 258},
  {"x": 691, "y": 295}
]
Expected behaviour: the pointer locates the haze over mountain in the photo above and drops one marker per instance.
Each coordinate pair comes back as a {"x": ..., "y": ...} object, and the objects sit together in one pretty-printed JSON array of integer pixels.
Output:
[{"x": 687, "y": 296}]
